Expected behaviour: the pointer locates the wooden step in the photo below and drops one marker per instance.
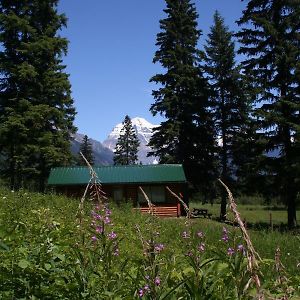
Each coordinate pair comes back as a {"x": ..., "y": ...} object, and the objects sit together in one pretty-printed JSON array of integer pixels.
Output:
[{"x": 161, "y": 211}]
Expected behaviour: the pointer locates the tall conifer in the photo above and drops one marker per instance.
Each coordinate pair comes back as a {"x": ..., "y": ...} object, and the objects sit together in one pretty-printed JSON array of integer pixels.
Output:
[
  {"x": 228, "y": 98},
  {"x": 186, "y": 136},
  {"x": 36, "y": 108},
  {"x": 87, "y": 150},
  {"x": 127, "y": 145},
  {"x": 270, "y": 40}
]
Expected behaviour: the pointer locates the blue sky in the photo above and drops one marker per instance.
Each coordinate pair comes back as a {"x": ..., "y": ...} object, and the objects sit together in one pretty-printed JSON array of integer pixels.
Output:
[{"x": 112, "y": 43}]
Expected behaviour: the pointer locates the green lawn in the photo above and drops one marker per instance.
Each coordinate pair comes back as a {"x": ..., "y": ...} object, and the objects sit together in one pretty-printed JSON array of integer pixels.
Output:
[{"x": 250, "y": 213}]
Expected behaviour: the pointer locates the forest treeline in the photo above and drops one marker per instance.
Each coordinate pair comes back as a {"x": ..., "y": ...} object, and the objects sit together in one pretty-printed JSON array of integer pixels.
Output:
[{"x": 231, "y": 110}]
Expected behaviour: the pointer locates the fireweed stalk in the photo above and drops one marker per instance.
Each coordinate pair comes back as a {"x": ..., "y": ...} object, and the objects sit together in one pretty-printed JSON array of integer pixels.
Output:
[
  {"x": 151, "y": 267},
  {"x": 150, "y": 283},
  {"x": 103, "y": 235},
  {"x": 195, "y": 246}
]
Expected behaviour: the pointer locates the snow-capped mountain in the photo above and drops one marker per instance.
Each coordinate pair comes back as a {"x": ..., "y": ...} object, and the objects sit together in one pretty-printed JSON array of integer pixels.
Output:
[
  {"x": 102, "y": 155},
  {"x": 143, "y": 130}
]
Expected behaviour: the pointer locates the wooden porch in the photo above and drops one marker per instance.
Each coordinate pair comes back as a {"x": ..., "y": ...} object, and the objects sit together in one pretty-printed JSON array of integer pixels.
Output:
[{"x": 165, "y": 210}]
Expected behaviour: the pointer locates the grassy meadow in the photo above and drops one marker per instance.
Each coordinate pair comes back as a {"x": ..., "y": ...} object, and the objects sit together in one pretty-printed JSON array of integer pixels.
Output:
[
  {"x": 51, "y": 250},
  {"x": 260, "y": 215}
]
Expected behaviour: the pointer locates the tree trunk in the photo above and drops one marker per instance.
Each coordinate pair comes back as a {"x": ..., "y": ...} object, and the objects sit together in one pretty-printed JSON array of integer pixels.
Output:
[
  {"x": 289, "y": 188},
  {"x": 291, "y": 210}
]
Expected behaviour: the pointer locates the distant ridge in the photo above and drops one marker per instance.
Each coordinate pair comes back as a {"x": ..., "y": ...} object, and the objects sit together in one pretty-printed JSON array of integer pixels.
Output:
[{"x": 102, "y": 155}]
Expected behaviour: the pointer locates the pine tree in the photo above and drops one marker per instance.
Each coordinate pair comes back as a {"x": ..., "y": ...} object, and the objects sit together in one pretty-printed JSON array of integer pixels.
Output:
[
  {"x": 228, "y": 102},
  {"x": 127, "y": 145},
  {"x": 87, "y": 150},
  {"x": 270, "y": 40},
  {"x": 36, "y": 108},
  {"x": 186, "y": 136}
]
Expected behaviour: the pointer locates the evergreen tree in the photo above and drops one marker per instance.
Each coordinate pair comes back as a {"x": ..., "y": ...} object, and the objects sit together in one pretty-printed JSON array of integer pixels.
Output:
[
  {"x": 186, "y": 136},
  {"x": 270, "y": 40},
  {"x": 36, "y": 108},
  {"x": 87, "y": 150},
  {"x": 127, "y": 145},
  {"x": 228, "y": 101}
]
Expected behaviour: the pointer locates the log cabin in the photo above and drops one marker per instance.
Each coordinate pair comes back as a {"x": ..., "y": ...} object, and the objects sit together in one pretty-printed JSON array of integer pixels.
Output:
[{"x": 127, "y": 183}]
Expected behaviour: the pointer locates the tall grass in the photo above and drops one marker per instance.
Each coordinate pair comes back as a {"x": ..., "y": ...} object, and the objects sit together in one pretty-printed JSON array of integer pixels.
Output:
[{"x": 45, "y": 254}]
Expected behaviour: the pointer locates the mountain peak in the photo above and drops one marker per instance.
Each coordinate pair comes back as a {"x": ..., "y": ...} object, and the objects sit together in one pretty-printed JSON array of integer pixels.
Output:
[
  {"x": 141, "y": 122},
  {"x": 144, "y": 131}
]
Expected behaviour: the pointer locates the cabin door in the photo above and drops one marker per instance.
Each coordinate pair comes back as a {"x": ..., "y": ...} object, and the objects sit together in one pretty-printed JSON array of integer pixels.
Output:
[{"x": 118, "y": 194}]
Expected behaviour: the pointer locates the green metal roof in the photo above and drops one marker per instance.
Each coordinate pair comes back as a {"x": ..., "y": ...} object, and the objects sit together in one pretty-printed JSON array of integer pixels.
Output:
[{"x": 118, "y": 174}]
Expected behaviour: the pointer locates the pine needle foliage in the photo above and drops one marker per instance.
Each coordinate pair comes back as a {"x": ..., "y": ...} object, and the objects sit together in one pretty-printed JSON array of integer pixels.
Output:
[
  {"x": 270, "y": 38},
  {"x": 36, "y": 108},
  {"x": 186, "y": 136},
  {"x": 126, "y": 151},
  {"x": 87, "y": 150},
  {"x": 228, "y": 100}
]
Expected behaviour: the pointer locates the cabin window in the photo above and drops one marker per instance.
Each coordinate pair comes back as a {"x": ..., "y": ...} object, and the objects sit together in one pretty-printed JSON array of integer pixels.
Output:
[
  {"x": 156, "y": 194},
  {"x": 118, "y": 194}
]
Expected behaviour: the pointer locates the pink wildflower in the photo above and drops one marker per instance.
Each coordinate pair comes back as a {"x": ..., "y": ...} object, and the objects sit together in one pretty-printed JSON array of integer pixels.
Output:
[
  {"x": 225, "y": 237},
  {"x": 230, "y": 251},
  {"x": 201, "y": 247},
  {"x": 99, "y": 229},
  {"x": 240, "y": 248},
  {"x": 200, "y": 234},
  {"x": 141, "y": 293},
  {"x": 112, "y": 235},
  {"x": 159, "y": 247},
  {"x": 185, "y": 235},
  {"x": 106, "y": 220},
  {"x": 98, "y": 217},
  {"x": 116, "y": 252},
  {"x": 157, "y": 281}
]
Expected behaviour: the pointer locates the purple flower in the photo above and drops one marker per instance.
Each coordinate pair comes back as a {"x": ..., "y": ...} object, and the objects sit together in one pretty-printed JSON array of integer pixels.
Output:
[
  {"x": 185, "y": 235},
  {"x": 230, "y": 251},
  {"x": 97, "y": 217},
  {"x": 201, "y": 247},
  {"x": 225, "y": 238},
  {"x": 200, "y": 234},
  {"x": 107, "y": 212},
  {"x": 146, "y": 288},
  {"x": 141, "y": 293},
  {"x": 116, "y": 252},
  {"x": 106, "y": 220},
  {"x": 157, "y": 281},
  {"x": 159, "y": 247},
  {"x": 94, "y": 238},
  {"x": 189, "y": 253},
  {"x": 99, "y": 229},
  {"x": 240, "y": 248},
  {"x": 112, "y": 235}
]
